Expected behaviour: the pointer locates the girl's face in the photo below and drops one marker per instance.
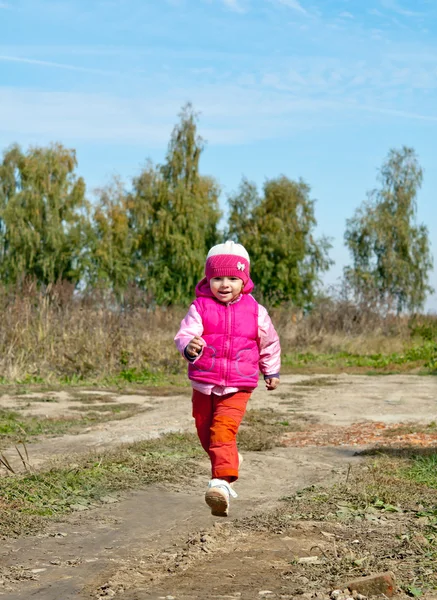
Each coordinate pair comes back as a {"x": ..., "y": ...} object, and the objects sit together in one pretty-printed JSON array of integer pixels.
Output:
[{"x": 226, "y": 289}]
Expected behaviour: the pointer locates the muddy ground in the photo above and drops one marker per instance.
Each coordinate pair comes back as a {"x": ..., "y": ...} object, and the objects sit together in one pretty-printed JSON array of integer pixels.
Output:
[{"x": 161, "y": 542}]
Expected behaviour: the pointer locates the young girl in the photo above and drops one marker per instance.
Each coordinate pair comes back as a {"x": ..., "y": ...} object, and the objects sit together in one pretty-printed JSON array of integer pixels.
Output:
[{"x": 226, "y": 337}]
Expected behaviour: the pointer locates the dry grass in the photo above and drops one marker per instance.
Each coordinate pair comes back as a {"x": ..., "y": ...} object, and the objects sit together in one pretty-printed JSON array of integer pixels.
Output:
[
  {"x": 382, "y": 517},
  {"x": 57, "y": 336},
  {"x": 408, "y": 428},
  {"x": 263, "y": 429},
  {"x": 338, "y": 325},
  {"x": 48, "y": 340},
  {"x": 315, "y": 382}
]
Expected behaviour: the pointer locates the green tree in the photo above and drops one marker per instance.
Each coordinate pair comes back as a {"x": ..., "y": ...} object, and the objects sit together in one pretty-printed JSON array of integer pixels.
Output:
[
  {"x": 174, "y": 212},
  {"x": 114, "y": 240},
  {"x": 390, "y": 252},
  {"x": 44, "y": 226},
  {"x": 277, "y": 230}
]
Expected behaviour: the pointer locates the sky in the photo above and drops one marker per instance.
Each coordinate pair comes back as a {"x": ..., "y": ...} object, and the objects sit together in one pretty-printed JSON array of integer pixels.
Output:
[{"x": 312, "y": 89}]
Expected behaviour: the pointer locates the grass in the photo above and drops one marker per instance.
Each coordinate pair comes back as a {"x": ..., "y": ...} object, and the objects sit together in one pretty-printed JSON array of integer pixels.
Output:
[
  {"x": 15, "y": 427},
  {"x": 420, "y": 356},
  {"x": 120, "y": 380},
  {"x": 28, "y": 500},
  {"x": 422, "y": 470}
]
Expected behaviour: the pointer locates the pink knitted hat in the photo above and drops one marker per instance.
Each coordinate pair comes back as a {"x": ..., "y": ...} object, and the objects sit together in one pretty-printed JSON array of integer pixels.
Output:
[{"x": 228, "y": 260}]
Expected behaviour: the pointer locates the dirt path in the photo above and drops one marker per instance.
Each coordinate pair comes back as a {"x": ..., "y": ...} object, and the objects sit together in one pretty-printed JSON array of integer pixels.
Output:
[
  {"x": 332, "y": 400},
  {"x": 126, "y": 546}
]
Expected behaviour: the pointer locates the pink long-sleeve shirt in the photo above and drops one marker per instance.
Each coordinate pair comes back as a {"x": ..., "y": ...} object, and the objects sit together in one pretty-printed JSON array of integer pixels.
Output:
[{"x": 269, "y": 347}]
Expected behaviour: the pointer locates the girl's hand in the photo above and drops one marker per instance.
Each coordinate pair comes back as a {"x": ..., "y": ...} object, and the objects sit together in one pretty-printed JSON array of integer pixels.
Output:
[
  {"x": 195, "y": 346},
  {"x": 272, "y": 383}
]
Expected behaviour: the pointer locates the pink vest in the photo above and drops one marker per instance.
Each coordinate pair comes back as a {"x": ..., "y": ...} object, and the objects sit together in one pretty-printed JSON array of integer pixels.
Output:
[{"x": 231, "y": 355}]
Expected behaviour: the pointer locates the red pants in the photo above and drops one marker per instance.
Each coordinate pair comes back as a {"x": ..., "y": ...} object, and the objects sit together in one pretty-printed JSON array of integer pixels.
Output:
[{"x": 217, "y": 421}]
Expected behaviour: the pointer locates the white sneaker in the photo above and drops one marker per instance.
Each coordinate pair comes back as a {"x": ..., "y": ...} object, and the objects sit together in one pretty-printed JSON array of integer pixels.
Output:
[{"x": 217, "y": 497}]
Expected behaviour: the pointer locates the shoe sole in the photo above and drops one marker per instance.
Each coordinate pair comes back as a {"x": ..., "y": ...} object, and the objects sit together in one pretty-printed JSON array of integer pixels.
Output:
[{"x": 217, "y": 502}]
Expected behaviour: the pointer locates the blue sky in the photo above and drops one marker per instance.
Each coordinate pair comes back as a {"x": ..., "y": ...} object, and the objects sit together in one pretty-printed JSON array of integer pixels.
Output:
[{"x": 319, "y": 89}]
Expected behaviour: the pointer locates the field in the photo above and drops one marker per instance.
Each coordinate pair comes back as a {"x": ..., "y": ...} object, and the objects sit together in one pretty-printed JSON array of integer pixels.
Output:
[
  {"x": 102, "y": 485},
  {"x": 102, "y": 478}
]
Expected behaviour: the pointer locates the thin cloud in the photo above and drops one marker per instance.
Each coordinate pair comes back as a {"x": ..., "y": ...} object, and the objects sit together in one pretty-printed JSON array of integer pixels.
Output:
[
  {"x": 375, "y": 12},
  {"x": 54, "y": 65},
  {"x": 70, "y": 116},
  {"x": 4, "y": 5},
  {"x": 231, "y": 114},
  {"x": 394, "y": 113},
  {"x": 295, "y": 5},
  {"x": 234, "y": 6},
  {"x": 395, "y": 7}
]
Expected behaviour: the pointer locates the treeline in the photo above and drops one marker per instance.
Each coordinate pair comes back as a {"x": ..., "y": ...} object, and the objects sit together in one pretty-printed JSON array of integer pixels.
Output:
[{"x": 155, "y": 235}]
